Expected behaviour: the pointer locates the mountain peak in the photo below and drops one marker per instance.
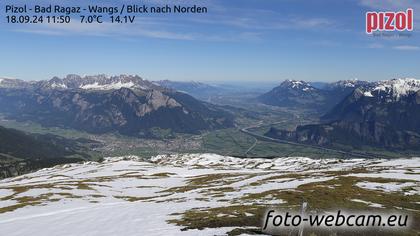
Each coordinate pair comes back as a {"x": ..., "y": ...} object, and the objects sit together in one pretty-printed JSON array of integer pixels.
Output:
[
  {"x": 6, "y": 82},
  {"x": 297, "y": 85}
]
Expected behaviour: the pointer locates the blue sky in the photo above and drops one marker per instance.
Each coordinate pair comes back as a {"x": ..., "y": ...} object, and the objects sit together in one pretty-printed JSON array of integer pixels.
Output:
[{"x": 237, "y": 40}]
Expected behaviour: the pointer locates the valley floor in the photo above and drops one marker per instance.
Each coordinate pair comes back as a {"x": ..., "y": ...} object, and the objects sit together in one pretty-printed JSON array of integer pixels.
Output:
[{"x": 199, "y": 194}]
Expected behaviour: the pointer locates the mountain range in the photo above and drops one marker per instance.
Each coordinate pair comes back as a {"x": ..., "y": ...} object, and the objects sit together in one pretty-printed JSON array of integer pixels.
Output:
[
  {"x": 127, "y": 104},
  {"x": 301, "y": 94},
  {"x": 384, "y": 114},
  {"x": 357, "y": 113}
]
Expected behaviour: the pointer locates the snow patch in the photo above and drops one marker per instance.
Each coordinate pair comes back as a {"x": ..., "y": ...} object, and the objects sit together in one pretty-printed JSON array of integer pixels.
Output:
[
  {"x": 5, "y": 193},
  {"x": 58, "y": 85},
  {"x": 398, "y": 87},
  {"x": 387, "y": 187},
  {"x": 368, "y": 94},
  {"x": 123, "y": 195},
  {"x": 117, "y": 85},
  {"x": 371, "y": 204},
  {"x": 282, "y": 163}
]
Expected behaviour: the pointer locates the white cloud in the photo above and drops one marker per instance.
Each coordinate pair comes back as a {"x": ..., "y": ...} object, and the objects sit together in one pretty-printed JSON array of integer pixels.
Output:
[
  {"x": 244, "y": 25},
  {"x": 150, "y": 29},
  {"x": 407, "y": 47},
  {"x": 312, "y": 23},
  {"x": 326, "y": 43},
  {"x": 376, "y": 45},
  {"x": 104, "y": 29},
  {"x": 273, "y": 23}
]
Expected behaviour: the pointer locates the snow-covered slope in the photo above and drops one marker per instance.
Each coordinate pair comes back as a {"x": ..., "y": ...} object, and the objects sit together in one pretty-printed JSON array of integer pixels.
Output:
[
  {"x": 392, "y": 89},
  {"x": 297, "y": 85},
  {"x": 346, "y": 84},
  {"x": 132, "y": 196}
]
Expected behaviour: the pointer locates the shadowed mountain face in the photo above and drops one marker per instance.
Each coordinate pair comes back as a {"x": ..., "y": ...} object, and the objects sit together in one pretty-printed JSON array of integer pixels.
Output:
[
  {"x": 384, "y": 114},
  {"x": 22, "y": 152},
  {"x": 20, "y": 145},
  {"x": 300, "y": 94},
  {"x": 100, "y": 104}
]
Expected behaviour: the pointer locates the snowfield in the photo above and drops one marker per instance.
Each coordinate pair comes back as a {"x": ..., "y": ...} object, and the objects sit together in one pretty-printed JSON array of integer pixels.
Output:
[
  {"x": 395, "y": 88},
  {"x": 132, "y": 196}
]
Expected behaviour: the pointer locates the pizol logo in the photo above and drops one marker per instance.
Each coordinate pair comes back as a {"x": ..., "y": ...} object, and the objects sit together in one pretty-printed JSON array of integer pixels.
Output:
[{"x": 389, "y": 21}]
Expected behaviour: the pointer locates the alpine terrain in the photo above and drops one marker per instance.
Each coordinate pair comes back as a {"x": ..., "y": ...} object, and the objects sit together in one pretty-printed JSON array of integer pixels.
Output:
[
  {"x": 99, "y": 104},
  {"x": 301, "y": 94},
  {"x": 382, "y": 114}
]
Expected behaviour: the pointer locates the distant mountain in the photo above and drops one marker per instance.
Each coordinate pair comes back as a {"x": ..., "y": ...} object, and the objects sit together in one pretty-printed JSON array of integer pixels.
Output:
[
  {"x": 384, "y": 114},
  {"x": 349, "y": 85},
  {"x": 342, "y": 88},
  {"x": 300, "y": 94},
  {"x": 13, "y": 83},
  {"x": 21, "y": 152},
  {"x": 196, "y": 89},
  {"x": 293, "y": 93},
  {"x": 319, "y": 85},
  {"x": 99, "y": 104},
  {"x": 378, "y": 99}
]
